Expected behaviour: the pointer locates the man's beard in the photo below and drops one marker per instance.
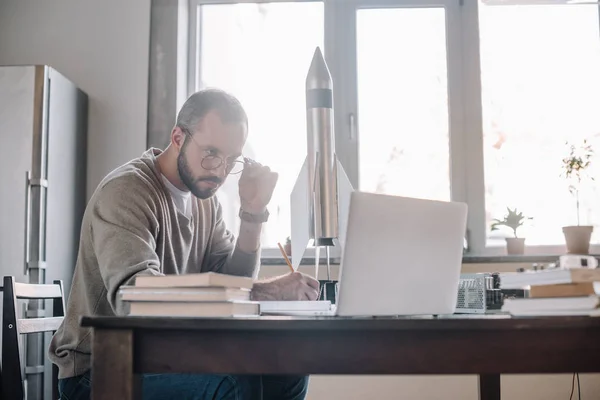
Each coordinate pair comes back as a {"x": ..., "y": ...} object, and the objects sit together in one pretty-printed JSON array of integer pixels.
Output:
[{"x": 188, "y": 180}]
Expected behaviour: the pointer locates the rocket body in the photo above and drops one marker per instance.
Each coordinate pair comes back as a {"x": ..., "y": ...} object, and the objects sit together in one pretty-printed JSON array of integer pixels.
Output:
[
  {"x": 320, "y": 198},
  {"x": 321, "y": 150}
]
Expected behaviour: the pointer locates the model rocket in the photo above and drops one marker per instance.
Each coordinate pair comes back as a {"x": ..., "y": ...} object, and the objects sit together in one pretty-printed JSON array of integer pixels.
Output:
[{"x": 321, "y": 195}]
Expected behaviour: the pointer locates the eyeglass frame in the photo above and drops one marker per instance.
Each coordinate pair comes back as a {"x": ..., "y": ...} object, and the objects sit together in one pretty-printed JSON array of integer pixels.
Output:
[{"x": 222, "y": 161}]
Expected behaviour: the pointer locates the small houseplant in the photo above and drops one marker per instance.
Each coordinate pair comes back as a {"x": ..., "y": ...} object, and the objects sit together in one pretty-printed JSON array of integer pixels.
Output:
[
  {"x": 513, "y": 220},
  {"x": 578, "y": 236}
]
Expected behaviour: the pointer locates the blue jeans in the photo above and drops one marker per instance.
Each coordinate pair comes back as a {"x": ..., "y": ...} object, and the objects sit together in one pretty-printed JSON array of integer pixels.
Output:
[{"x": 200, "y": 387}]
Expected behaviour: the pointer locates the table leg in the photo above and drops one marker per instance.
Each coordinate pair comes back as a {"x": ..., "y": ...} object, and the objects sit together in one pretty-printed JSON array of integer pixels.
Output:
[
  {"x": 112, "y": 366},
  {"x": 489, "y": 387}
]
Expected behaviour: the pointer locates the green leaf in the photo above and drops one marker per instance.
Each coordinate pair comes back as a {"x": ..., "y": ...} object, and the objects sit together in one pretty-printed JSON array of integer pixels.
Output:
[{"x": 513, "y": 220}]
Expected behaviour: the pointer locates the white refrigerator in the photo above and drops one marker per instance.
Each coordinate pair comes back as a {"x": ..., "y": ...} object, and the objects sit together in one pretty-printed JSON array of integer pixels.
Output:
[{"x": 43, "y": 130}]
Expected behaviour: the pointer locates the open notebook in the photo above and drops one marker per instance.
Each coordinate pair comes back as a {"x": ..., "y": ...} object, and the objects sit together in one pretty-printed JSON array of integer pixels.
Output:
[{"x": 297, "y": 308}]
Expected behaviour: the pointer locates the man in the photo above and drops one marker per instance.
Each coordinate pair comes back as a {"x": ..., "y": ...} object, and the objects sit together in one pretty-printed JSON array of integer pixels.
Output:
[{"x": 156, "y": 215}]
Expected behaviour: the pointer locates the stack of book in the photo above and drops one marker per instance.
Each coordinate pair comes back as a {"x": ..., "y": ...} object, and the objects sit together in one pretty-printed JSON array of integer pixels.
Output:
[
  {"x": 191, "y": 295},
  {"x": 557, "y": 291}
]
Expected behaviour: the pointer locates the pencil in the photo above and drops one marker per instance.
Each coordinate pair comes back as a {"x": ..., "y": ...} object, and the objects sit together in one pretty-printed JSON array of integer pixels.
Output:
[{"x": 287, "y": 260}]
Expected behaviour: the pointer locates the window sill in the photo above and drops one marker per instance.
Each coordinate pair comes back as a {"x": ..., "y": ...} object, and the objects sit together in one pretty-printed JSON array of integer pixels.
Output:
[
  {"x": 467, "y": 259},
  {"x": 305, "y": 261},
  {"x": 525, "y": 258}
]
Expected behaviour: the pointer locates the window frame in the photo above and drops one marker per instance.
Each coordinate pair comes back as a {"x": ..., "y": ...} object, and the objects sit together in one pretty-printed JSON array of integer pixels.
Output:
[
  {"x": 193, "y": 73},
  {"x": 347, "y": 143},
  {"x": 475, "y": 174},
  {"x": 467, "y": 175}
]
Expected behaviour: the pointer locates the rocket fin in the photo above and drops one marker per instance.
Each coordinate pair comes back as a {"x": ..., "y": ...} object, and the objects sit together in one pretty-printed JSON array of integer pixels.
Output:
[
  {"x": 345, "y": 190},
  {"x": 300, "y": 210}
]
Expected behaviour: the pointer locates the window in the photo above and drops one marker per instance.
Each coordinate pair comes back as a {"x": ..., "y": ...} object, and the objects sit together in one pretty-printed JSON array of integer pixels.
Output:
[
  {"x": 402, "y": 102},
  {"x": 540, "y": 89},
  {"x": 444, "y": 99},
  {"x": 261, "y": 53}
]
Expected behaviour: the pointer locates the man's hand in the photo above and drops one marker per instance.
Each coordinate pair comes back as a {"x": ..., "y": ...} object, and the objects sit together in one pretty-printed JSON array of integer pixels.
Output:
[
  {"x": 293, "y": 286},
  {"x": 256, "y": 187}
]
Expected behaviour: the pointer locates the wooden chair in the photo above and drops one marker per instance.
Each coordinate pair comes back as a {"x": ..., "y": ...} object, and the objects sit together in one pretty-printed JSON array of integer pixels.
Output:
[
  {"x": 1, "y": 391},
  {"x": 12, "y": 327}
]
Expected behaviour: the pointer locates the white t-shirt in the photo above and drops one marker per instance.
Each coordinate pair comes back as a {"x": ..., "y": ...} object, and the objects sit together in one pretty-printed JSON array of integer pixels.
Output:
[{"x": 181, "y": 198}]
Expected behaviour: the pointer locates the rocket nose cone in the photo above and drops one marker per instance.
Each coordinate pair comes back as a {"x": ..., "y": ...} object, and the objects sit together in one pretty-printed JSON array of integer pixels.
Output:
[{"x": 318, "y": 76}]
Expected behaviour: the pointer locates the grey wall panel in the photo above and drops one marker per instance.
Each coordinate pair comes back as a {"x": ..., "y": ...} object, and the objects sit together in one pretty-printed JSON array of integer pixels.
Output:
[{"x": 167, "y": 73}]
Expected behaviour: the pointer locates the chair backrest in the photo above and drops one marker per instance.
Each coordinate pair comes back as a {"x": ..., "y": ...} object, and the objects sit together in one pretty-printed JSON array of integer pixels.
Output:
[
  {"x": 1, "y": 391},
  {"x": 12, "y": 327}
]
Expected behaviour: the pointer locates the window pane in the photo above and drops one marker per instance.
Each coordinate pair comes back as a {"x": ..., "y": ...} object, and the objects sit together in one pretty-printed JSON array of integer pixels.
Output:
[
  {"x": 261, "y": 54},
  {"x": 541, "y": 87},
  {"x": 402, "y": 102}
]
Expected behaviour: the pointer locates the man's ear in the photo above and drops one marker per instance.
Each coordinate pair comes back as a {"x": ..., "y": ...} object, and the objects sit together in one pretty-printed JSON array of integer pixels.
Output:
[{"x": 177, "y": 137}]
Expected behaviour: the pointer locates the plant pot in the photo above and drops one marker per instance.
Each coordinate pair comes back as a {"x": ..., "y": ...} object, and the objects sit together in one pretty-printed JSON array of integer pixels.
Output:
[
  {"x": 578, "y": 238},
  {"x": 515, "y": 246}
]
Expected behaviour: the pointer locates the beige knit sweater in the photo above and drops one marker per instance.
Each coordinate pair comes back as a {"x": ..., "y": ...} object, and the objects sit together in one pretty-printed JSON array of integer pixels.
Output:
[{"x": 131, "y": 227}]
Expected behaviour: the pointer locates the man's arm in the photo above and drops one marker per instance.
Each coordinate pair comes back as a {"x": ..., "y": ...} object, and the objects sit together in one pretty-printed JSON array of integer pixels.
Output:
[
  {"x": 123, "y": 224},
  {"x": 232, "y": 257},
  {"x": 249, "y": 237},
  {"x": 242, "y": 260},
  {"x": 256, "y": 187}
]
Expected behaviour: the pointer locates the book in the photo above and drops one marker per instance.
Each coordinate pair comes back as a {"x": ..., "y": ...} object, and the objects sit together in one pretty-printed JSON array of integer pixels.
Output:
[
  {"x": 554, "y": 304},
  {"x": 137, "y": 293},
  {"x": 517, "y": 280},
  {"x": 204, "y": 279},
  {"x": 556, "y": 313},
  {"x": 194, "y": 309},
  {"x": 565, "y": 290}
]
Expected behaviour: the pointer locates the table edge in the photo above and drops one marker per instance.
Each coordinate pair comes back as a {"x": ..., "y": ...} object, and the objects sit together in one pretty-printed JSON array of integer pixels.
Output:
[{"x": 339, "y": 324}]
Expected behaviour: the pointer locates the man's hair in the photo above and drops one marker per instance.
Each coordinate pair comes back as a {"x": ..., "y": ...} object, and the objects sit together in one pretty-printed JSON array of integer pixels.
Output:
[{"x": 200, "y": 103}]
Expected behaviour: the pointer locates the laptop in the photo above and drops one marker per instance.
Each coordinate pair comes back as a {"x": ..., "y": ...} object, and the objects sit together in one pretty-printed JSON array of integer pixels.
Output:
[{"x": 402, "y": 257}]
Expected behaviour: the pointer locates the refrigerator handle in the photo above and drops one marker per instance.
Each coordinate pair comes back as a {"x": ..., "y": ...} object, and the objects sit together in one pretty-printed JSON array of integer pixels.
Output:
[
  {"x": 27, "y": 219},
  {"x": 352, "y": 121}
]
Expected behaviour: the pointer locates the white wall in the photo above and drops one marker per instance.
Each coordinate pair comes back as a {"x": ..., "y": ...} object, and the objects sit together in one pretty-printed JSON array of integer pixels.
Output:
[
  {"x": 513, "y": 387},
  {"x": 102, "y": 46}
]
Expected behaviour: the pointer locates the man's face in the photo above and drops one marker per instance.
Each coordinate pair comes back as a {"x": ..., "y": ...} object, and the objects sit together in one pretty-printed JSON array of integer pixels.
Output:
[{"x": 211, "y": 141}]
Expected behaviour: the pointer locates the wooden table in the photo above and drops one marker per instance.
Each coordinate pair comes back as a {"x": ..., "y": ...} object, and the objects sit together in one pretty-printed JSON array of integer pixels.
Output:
[{"x": 124, "y": 347}]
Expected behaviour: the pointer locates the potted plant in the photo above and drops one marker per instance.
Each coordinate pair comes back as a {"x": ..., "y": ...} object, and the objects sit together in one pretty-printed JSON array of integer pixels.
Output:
[
  {"x": 288, "y": 246},
  {"x": 513, "y": 220},
  {"x": 578, "y": 236}
]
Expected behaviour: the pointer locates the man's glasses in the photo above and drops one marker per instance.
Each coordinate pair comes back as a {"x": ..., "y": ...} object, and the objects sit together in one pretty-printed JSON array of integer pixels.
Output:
[{"x": 212, "y": 162}]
